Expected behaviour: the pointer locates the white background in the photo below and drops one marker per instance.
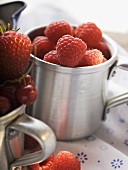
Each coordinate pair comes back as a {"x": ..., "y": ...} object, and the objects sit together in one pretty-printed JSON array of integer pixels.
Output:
[{"x": 109, "y": 15}]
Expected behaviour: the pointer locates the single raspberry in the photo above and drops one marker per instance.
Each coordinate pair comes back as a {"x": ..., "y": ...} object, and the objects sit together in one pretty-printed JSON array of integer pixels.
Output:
[
  {"x": 91, "y": 57},
  {"x": 70, "y": 50},
  {"x": 73, "y": 31},
  {"x": 57, "y": 29},
  {"x": 104, "y": 60},
  {"x": 104, "y": 49},
  {"x": 52, "y": 57},
  {"x": 65, "y": 160},
  {"x": 44, "y": 165},
  {"x": 43, "y": 46},
  {"x": 89, "y": 33}
]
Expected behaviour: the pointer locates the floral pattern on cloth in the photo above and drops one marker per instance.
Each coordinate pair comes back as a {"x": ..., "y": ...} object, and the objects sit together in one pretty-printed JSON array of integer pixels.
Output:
[{"x": 94, "y": 153}]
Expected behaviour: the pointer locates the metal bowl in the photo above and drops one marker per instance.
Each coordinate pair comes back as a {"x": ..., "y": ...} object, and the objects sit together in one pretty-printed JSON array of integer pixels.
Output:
[{"x": 10, "y": 12}]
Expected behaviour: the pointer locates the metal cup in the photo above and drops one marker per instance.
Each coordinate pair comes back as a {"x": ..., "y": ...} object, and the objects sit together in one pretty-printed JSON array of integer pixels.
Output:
[
  {"x": 72, "y": 101},
  {"x": 12, "y": 128}
]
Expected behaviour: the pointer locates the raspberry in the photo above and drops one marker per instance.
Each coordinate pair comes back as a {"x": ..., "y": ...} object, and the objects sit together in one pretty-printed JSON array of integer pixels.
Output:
[
  {"x": 104, "y": 49},
  {"x": 43, "y": 46},
  {"x": 57, "y": 29},
  {"x": 89, "y": 33},
  {"x": 52, "y": 57},
  {"x": 65, "y": 160},
  {"x": 44, "y": 165},
  {"x": 91, "y": 57},
  {"x": 104, "y": 60},
  {"x": 73, "y": 31},
  {"x": 70, "y": 50}
]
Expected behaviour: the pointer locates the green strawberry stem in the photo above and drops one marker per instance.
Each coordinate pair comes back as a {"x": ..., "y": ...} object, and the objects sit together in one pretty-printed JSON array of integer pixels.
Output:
[
  {"x": 8, "y": 27},
  {"x": 1, "y": 29},
  {"x": 4, "y": 29}
]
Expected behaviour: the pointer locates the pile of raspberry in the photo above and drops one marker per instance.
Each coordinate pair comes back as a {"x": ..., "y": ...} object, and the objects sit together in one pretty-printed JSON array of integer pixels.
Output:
[{"x": 69, "y": 46}]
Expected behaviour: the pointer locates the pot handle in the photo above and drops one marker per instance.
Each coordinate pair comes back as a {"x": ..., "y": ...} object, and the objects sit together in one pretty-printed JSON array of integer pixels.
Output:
[
  {"x": 42, "y": 133},
  {"x": 121, "y": 63}
]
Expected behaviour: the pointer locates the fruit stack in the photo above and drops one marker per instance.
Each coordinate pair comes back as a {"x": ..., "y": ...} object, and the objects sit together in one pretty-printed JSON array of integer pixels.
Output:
[
  {"x": 68, "y": 46},
  {"x": 16, "y": 85}
]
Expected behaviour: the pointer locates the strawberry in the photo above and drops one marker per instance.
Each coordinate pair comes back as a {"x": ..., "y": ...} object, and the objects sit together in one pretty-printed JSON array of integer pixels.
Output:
[
  {"x": 15, "y": 49},
  {"x": 91, "y": 57},
  {"x": 65, "y": 160},
  {"x": 44, "y": 165},
  {"x": 89, "y": 33},
  {"x": 43, "y": 46},
  {"x": 70, "y": 50},
  {"x": 57, "y": 29},
  {"x": 52, "y": 57}
]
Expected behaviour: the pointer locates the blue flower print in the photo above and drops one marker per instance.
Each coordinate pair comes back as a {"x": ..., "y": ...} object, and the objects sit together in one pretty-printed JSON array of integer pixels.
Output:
[
  {"x": 117, "y": 163},
  {"x": 126, "y": 142},
  {"x": 121, "y": 120},
  {"x": 90, "y": 138},
  {"x": 82, "y": 157},
  {"x": 103, "y": 147}
]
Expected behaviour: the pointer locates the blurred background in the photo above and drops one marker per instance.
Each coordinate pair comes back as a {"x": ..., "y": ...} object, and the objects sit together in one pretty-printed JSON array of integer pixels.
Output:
[{"x": 109, "y": 15}]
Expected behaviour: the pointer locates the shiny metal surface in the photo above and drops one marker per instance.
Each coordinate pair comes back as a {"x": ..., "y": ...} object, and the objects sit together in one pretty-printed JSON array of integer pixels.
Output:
[
  {"x": 71, "y": 100},
  {"x": 12, "y": 129},
  {"x": 11, "y": 10}
]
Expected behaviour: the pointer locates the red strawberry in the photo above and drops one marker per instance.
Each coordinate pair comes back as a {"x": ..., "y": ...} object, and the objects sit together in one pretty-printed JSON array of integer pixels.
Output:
[
  {"x": 57, "y": 29},
  {"x": 104, "y": 49},
  {"x": 52, "y": 57},
  {"x": 89, "y": 33},
  {"x": 15, "y": 49},
  {"x": 65, "y": 160},
  {"x": 91, "y": 57},
  {"x": 43, "y": 46},
  {"x": 70, "y": 50},
  {"x": 45, "y": 165}
]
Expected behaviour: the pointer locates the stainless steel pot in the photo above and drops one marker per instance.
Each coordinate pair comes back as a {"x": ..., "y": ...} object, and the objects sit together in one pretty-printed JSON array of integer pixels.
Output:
[
  {"x": 72, "y": 101},
  {"x": 12, "y": 128},
  {"x": 10, "y": 11}
]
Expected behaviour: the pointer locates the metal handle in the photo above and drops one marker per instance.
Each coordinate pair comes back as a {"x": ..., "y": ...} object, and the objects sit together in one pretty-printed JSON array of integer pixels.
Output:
[
  {"x": 40, "y": 132},
  {"x": 121, "y": 63}
]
